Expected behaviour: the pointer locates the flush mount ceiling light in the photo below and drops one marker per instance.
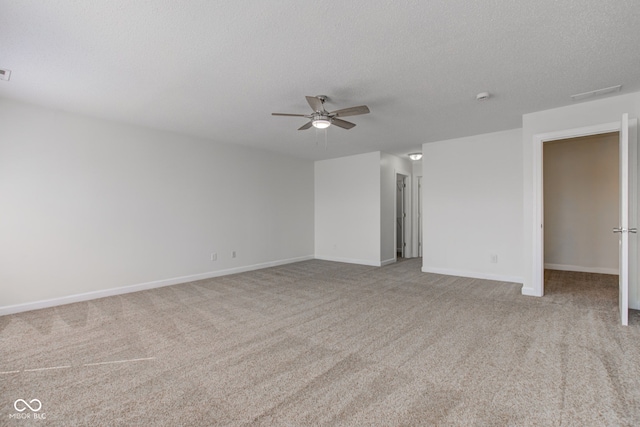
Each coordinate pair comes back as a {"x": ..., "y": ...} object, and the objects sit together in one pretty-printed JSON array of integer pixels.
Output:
[
  {"x": 594, "y": 93},
  {"x": 415, "y": 156},
  {"x": 483, "y": 96},
  {"x": 321, "y": 121}
]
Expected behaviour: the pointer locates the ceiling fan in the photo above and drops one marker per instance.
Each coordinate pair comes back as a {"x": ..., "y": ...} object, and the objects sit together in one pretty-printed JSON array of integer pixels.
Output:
[{"x": 322, "y": 119}]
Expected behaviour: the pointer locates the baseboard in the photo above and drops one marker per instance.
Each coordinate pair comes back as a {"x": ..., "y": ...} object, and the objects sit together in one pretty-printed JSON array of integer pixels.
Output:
[
  {"x": 350, "y": 260},
  {"x": 579, "y": 268},
  {"x": 473, "y": 274},
  {"x": 19, "y": 308},
  {"x": 359, "y": 261},
  {"x": 530, "y": 292}
]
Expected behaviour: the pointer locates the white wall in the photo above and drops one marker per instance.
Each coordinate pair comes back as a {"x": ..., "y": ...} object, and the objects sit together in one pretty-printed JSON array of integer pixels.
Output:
[
  {"x": 472, "y": 206},
  {"x": 391, "y": 165},
  {"x": 581, "y": 204},
  {"x": 347, "y": 209},
  {"x": 90, "y": 205},
  {"x": 607, "y": 110}
]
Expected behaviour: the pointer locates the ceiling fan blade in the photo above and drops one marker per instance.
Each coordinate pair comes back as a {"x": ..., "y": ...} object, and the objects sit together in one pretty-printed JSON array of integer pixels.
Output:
[
  {"x": 342, "y": 123},
  {"x": 315, "y": 103},
  {"x": 305, "y": 126},
  {"x": 287, "y": 114},
  {"x": 351, "y": 111}
]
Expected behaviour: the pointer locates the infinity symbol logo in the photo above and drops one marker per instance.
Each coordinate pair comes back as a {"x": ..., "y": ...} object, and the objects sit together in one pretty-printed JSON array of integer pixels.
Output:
[{"x": 34, "y": 408}]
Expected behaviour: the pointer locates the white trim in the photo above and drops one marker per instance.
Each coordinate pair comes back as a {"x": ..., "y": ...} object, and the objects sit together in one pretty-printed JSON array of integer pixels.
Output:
[
  {"x": 18, "y": 308},
  {"x": 530, "y": 292},
  {"x": 473, "y": 274},
  {"x": 350, "y": 261},
  {"x": 634, "y": 290},
  {"x": 581, "y": 269},
  {"x": 537, "y": 285},
  {"x": 389, "y": 261}
]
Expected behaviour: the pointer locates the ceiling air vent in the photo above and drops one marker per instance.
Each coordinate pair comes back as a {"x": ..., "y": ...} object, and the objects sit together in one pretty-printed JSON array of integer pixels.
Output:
[
  {"x": 4, "y": 74},
  {"x": 594, "y": 93}
]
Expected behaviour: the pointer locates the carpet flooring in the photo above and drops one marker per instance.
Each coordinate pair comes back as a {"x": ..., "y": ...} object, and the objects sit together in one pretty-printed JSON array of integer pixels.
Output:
[{"x": 320, "y": 343}]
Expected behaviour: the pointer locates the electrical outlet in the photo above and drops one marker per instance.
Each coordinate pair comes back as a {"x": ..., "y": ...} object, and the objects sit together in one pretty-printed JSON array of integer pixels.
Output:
[
  {"x": 214, "y": 256},
  {"x": 494, "y": 258}
]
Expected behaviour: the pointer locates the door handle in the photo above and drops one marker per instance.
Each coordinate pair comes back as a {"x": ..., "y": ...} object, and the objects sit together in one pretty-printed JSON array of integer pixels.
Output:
[{"x": 624, "y": 230}]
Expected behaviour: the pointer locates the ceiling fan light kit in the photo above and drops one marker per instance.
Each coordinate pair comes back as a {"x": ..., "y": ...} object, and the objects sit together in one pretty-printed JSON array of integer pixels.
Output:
[
  {"x": 321, "y": 122},
  {"x": 322, "y": 119}
]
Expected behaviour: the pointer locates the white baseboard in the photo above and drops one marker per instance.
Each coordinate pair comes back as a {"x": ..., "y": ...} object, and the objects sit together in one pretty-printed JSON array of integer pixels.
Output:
[
  {"x": 350, "y": 260},
  {"x": 530, "y": 292},
  {"x": 359, "y": 261},
  {"x": 18, "y": 308},
  {"x": 473, "y": 274},
  {"x": 579, "y": 268}
]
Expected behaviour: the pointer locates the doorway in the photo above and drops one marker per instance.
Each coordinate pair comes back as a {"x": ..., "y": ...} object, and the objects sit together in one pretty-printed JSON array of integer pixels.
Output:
[
  {"x": 401, "y": 216},
  {"x": 581, "y": 203},
  {"x": 419, "y": 227},
  {"x": 628, "y": 203}
]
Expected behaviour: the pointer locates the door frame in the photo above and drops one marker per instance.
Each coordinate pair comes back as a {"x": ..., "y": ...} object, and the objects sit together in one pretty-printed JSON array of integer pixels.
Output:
[{"x": 537, "y": 229}]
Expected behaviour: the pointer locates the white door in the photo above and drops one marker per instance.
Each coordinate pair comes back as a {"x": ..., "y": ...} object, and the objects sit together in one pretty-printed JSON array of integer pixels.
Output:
[{"x": 623, "y": 226}]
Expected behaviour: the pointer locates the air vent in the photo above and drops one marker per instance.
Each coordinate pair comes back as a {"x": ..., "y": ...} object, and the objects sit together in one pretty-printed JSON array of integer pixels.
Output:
[
  {"x": 5, "y": 74},
  {"x": 594, "y": 93}
]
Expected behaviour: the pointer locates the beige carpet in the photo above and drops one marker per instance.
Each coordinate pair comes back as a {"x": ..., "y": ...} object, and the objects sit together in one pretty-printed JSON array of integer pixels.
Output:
[{"x": 321, "y": 343}]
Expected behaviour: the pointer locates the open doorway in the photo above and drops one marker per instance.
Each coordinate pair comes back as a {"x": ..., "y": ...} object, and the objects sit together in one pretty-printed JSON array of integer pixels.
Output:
[
  {"x": 401, "y": 217},
  {"x": 625, "y": 228},
  {"x": 581, "y": 205},
  {"x": 419, "y": 215}
]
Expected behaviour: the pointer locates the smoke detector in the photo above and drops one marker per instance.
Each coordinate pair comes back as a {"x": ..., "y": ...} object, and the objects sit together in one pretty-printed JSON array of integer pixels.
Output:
[
  {"x": 5, "y": 74},
  {"x": 483, "y": 96}
]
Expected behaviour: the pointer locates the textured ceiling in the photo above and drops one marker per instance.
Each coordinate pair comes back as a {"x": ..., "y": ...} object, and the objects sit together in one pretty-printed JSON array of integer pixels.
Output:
[{"x": 217, "y": 69}]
